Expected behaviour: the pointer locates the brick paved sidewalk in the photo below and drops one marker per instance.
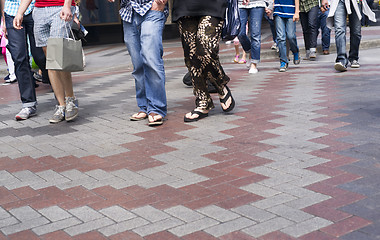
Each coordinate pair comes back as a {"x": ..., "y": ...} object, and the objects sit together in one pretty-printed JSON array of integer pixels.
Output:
[{"x": 294, "y": 160}]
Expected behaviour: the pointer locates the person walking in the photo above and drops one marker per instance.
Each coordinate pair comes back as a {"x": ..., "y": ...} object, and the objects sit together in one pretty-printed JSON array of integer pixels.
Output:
[
  {"x": 200, "y": 25},
  {"x": 18, "y": 47},
  {"x": 252, "y": 12},
  {"x": 325, "y": 31},
  {"x": 52, "y": 20},
  {"x": 286, "y": 13},
  {"x": 339, "y": 11},
  {"x": 309, "y": 10},
  {"x": 143, "y": 24}
]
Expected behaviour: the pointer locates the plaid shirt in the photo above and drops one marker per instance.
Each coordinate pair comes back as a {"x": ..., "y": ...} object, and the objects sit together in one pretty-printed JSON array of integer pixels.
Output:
[
  {"x": 11, "y": 7},
  {"x": 140, "y": 6},
  {"x": 306, "y": 5}
]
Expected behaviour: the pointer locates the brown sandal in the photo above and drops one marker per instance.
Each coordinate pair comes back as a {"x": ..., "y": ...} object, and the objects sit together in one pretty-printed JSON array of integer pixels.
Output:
[{"x": 138, "y": 117}]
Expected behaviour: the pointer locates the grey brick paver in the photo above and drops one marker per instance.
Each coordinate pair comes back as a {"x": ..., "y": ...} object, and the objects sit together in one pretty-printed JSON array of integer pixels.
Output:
[
  {"x": 254, "y": 213},
  {"x": 4, "y": 214},
  {"x": 54, "y": 213},
  {"x": 88, "y": 226},
  {"x": 184, "y": 213},
  {"x": 194, "y": 226},
  {"x": 85, "y": 213},
  {"x": 260, "y": 190},
  {"x": 158, "y": 226},
  {"x": 123, "y": 226},
  {"x": 25, "y": 225},
  {"x": 57, "y": 225},
  {"x": 306, "y": 227},
  {"x": 290, "y": 213},
  {"x": 307, "y": 201},
  {"x": 25, "y": 213},
  {"x": 218, "y": 213},
  {"x": 118, "y": 214},
  {"x": 150, "y": 213},
  {"x": 8, "y": 221},
  {"x": 228, "y": 227},
  {"x": 271, "y": 225},
  {"x": 274, "y": 201}
]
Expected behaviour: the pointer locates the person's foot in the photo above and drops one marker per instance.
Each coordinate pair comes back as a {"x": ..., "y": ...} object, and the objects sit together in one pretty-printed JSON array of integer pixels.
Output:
[
  {"x": 26, "y": 113},
  {"x": 274, "y": 46},
  {"x": 8, "y": 80},
  {"x": 355, "y": 64},
  {"x": 155, "y": 119},
  {"x": 138, "y": 116},
  {"x": 37, "y": 77},
  {"x": 312, "y": 56},
  {"x": 253, "y": 69},
  {"x": 326, "y": 52},
  {"x": 307, "y": 55},
  {"x": 59, "y": 114},
  {"x": 296, "y": 58},
  {"x": 283, "y": 67},
  {"x": 242, "y": 61},
  {"x": 236, "y": 59},
  {"x": 227, "y": 101},
  {"x": 71, "y": 108},
  {"x": 195, "y": 115},
  {"x": 340, "y": 67}
]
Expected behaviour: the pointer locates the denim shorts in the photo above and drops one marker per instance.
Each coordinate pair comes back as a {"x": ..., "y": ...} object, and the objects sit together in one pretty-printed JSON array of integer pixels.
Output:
[{"x": 48, "y": 24}]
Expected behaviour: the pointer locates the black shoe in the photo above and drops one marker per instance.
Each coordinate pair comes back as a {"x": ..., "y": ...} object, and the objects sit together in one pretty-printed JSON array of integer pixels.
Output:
[
  {"x": 6, "y": 78},
  {"x": 187, "y": 79}
]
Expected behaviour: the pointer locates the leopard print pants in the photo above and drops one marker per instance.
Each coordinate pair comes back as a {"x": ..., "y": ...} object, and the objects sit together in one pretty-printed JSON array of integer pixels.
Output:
[{"x": 200, "y": 41}]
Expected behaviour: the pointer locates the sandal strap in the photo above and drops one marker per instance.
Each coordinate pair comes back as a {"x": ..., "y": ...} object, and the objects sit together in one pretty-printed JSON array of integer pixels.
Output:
[{"x": 228, "y": 95}]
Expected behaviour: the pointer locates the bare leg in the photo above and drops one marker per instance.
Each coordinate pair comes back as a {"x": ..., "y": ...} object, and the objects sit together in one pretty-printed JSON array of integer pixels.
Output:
[{"x": 61, "y": 83}]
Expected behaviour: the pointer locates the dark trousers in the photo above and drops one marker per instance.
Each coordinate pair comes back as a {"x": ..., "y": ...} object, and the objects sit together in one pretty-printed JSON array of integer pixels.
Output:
[
  {"x": 309, "y": 23},
  {"x": 200, "y": 41},
  {"x": 18, "y": 47}
]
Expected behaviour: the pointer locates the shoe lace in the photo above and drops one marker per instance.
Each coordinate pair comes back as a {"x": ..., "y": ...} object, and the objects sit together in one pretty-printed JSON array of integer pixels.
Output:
[
  {"x": 59, "y": 110},
  {"x": 70, "y": 103}
]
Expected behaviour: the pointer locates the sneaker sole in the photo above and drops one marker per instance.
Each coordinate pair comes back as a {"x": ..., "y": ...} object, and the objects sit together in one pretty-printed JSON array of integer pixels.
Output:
[
  {"x": 55, "y": 121},
  {"x": 355, "y": 66},
  {"x": 340, "y": 67}
]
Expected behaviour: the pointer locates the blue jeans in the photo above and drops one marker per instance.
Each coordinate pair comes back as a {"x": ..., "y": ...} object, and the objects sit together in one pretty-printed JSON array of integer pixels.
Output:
[
  {"x": 143, "y": 38},
  {"x": 254, "y": 16},
  {"x": 324, "y": 29},
  {"x": 309, "y": 23},
  {"x": 285, "y": 28},
  {"x": 18, "y": 48},
  {"x": 340, "y": 34}
]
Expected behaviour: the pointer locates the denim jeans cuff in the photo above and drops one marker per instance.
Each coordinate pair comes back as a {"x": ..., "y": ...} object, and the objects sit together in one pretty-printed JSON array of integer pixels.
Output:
[{"x": 29, "y": 104}]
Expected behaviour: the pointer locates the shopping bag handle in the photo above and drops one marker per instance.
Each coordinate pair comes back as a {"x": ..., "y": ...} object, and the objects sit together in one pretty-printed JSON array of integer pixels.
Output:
[{"x": 71, "y": 30}]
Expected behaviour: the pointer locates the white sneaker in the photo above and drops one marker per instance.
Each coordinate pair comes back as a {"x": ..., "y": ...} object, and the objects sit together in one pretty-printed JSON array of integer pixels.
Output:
[
  {"x": 340, "y": 67},
  {"x": 355, "y": 64},
  {"x": 253, "y": 70},
  {"x": 26, "y": 113},
  {"x": 71, "y": 108},
  {"x": 274, "y": 46}
]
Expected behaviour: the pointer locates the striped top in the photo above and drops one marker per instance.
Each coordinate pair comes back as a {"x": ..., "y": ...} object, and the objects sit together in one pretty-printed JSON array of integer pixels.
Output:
[{"x": 284, "y": 8}]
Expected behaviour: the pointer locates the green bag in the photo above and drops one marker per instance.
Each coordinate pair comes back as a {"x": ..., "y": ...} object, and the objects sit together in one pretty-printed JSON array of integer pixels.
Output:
[{"x": 64, "y": 54}]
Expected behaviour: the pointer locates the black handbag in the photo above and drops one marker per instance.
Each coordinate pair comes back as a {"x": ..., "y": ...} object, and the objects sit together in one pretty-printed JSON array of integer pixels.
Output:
[{"x": 231, "y": 27}]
